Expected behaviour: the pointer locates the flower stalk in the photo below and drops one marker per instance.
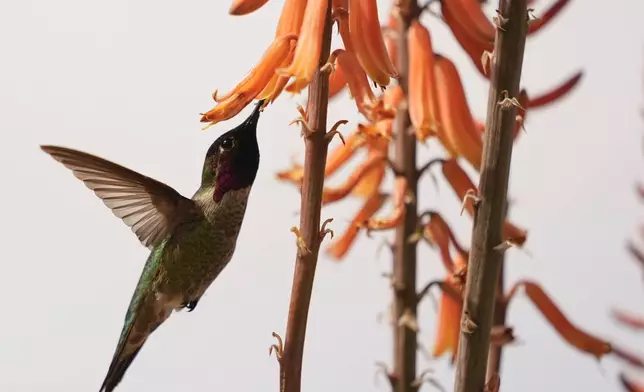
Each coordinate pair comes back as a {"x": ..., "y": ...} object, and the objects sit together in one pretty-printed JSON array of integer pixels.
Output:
[
  {"x": 316, "y": 145},
  {"x": 489, "y": 210}
]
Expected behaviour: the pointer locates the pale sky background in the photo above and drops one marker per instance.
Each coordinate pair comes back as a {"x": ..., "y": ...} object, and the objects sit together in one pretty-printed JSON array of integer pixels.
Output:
[{"x": 126, "y": 80}]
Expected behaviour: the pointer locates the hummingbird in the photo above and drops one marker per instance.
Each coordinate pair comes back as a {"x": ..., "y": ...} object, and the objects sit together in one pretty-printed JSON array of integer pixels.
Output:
[{"x": 190, "y": 240}]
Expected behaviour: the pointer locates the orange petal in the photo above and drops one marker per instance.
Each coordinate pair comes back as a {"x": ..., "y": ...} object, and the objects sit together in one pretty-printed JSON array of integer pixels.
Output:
[
  {"x": 473, "y": 43},
  {"x": 307, "y": 53},
  {"x": 370, "y": 182},
  {"x": 573, "y": 335},
  {"x": 330, "y": 195},
  {"x": 550, "y": 14},
  {"x": 357, "y": 81},
  {"x": 291, "y": 17},
  {"x": 295, "y": 174},
  {"x": 341, "y": 15},
  {"x": 423, "y": 109},
  {"x": 396, "y": 217},
  {"x": 449, "y": 318},
  {"x": 631, "y": 386},
  {"x": 337, "y": 80},
  {"x": 461, "y": 184},
  {"x": 238, "y": 98},
  {"x": 555, "y": 94},
  {"x": 243, "y": 7},
  {"x": 341, "y": 245},
  {"x": 392, "y": 97},
  {"x": 458, "y": 127},
  {"x": 277, "y": 83},
  {"x": 470, "y": 16},
  {"x": 368, "y": 42},
  {"x": 390, "y": 40},
  {"x": 438, "y": 232},
  {"x": 343, "y": 152}
]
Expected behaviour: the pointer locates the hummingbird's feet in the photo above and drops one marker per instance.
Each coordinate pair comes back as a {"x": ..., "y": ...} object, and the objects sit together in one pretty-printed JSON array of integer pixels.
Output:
[{"x": 191, "y": 305}]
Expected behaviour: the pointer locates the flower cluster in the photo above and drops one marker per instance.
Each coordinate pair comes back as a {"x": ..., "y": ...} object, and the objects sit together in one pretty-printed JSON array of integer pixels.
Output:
[{"x": 367, "y": 65}]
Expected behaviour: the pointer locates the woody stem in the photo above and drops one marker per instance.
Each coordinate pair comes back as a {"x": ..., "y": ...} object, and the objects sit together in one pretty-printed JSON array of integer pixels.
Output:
[
  {"x": 485, "y": 261},
  {"x": 404, "y": 263},
  {"x": 311, "y": 204}
]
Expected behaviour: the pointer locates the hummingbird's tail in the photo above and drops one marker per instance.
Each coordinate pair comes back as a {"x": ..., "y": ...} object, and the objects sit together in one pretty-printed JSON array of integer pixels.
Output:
[
  {"x": 126, "y": 351},
  {"x": 145, "y": 314}
]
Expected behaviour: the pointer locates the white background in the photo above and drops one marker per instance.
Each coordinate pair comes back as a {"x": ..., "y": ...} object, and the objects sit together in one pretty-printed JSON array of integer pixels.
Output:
[{"x": 127, "y": 79}]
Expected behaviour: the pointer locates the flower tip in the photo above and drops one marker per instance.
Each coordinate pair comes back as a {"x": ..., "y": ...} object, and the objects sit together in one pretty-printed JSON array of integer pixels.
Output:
[{"x": 245, "y": 7}]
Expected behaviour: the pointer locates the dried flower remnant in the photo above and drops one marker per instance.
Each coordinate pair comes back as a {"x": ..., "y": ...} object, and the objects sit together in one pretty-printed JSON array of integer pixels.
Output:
[
  {"x": 309, "y": 45},
  {"x": 244, "y": 7},
  {"x": 423, "y": 109},
  {"x": 459, "y": 129},
  {"x": 342, "y": 244},
  {"x": 243, "y": 94},
  {"x": 449, "y": 316},
  {"x": 368, "y": 42},
  {"x": 571, "y": 334}
]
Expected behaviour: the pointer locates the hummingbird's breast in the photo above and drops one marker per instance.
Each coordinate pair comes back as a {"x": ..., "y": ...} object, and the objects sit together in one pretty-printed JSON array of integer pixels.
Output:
[{"x": 200, "y": 249}]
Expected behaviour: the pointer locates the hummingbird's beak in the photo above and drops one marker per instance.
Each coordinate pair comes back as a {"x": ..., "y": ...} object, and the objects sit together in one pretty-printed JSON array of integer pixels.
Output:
[{"x": 251, "y": 121}]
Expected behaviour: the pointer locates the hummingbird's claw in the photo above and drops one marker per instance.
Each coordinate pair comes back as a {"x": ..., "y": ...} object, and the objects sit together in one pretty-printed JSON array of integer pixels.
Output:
[{"x": 191, "y": 305}]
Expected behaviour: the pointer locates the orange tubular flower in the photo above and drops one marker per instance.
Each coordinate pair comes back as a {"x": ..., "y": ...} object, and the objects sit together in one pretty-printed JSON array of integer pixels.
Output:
[
  {"x": 471, "y": 39},
  {"x": 571, "y": 334},
  {"x": 343, "y": 152},
  {"x": 238, "y": 98},
  {"x": 357, "y": 81},
  {"x": 309, "y": 44},
  {"x": 461, "y": 184},
  {"x": 290, "y": 22},
  {"x": 390, "y": 40},
  {"x": 449, "y": 317},
  {"x": 438, "y": 232},
  {"x": 423, "y": 108},
  {"x": 330, "y": 195},
  {"x": 337, "y": 80},
  {"x": 244, "y": 7},
  {"x": 341, "y": 15},
  {"x": 396, "y": 217},
  {"x": 556, "y": 93},
  {"x": 368, "y": 42},
  {"x": 459, "y": 129},
  {"x": 370, "y": 182},
  {"x": 341, "y": 246}
]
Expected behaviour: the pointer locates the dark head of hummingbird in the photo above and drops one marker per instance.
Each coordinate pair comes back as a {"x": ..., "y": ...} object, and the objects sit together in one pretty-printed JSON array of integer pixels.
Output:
[{"x": 233, "y": 159}]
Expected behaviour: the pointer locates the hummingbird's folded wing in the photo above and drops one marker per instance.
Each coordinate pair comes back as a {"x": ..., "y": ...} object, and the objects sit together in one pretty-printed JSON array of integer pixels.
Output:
[{"x": 151, "y": 208}]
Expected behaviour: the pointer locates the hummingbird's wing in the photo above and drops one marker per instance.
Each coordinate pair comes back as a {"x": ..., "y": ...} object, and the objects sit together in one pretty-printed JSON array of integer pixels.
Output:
[{"x": 151, "y": 208}]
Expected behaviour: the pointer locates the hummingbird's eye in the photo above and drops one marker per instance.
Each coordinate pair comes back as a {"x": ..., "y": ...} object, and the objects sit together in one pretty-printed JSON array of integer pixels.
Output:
[{"x": 227, "y": 144}]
